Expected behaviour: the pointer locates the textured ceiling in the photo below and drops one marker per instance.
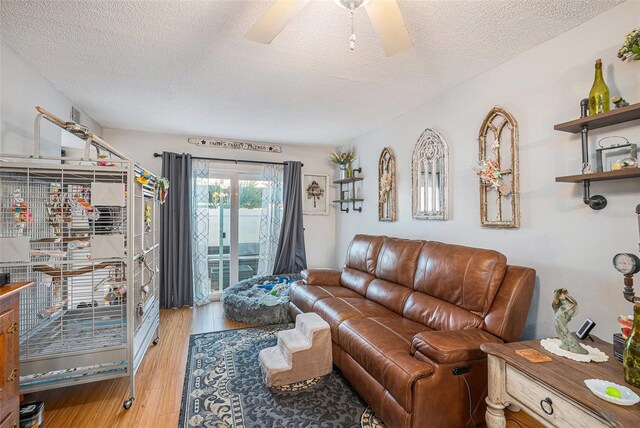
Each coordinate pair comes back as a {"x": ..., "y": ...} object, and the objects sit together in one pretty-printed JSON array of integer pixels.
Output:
[{"x": 184, "y": 67}]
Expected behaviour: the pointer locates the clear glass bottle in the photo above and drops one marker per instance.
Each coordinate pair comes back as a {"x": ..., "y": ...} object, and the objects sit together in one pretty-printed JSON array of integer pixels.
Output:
[
  {"x": 631, "y": 359},
  {"x": 599, "y": 94}
]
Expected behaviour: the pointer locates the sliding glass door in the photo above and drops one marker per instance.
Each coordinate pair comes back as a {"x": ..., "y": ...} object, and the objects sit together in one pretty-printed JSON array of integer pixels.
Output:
[{"x": 234, "y": 220}]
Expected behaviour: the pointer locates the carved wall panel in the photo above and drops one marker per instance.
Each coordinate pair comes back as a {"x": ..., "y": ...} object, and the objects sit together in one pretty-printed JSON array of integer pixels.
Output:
[
  {"x": 387, "y": 185},
  {"x": 430, "y": 170},
  {"x": 498, "y": 170}
]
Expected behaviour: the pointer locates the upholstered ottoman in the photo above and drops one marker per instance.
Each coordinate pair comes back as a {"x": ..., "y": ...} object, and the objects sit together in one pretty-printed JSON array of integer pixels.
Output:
[{"x": 301, "y": 353}]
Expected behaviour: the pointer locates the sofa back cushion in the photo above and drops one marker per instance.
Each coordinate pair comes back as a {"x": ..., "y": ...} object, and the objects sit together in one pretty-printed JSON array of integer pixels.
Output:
[
  {"x": 437, "y": 314},
  {"x": 465, "y": 277},
  {"x": 397, "y": 261},
  {"x": 389, "y": 294},
  {"x": 363, "y": 253},
  {"x": 356, "y": 280}
]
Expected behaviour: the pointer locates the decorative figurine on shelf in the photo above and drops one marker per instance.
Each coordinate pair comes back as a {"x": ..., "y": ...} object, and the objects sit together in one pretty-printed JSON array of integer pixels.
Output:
[
  {"x": 344, "y": 159},
  {"x": 565, "y": 308},
  {"x": 619, "y": 102}
]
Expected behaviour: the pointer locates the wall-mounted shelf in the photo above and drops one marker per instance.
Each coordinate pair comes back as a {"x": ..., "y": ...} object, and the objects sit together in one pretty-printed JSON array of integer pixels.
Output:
[
  {"x": 612, "y": 117},
  {"x": 343, "y": 201},
  {"x": 600, "y": 176},
  {"x": 349, "y": 182},
  {"x": 582, "y": 126}
]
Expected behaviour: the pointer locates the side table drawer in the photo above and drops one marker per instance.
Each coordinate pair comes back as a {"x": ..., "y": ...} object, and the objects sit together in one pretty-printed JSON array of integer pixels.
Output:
[{"x": 555, "y": 409}]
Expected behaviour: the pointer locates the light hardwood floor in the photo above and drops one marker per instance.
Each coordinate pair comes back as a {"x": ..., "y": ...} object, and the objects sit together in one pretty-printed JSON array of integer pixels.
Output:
[{"x": 159, "y": 380}]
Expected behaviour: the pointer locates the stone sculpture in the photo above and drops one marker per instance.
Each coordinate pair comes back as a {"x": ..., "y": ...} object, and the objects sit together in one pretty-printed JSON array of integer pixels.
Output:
[{"x": 565, "y": 308}]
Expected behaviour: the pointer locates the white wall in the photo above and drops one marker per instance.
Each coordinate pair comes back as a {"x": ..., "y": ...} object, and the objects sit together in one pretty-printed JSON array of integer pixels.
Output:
[
  {"x": 319, "y": 230},
  {"x": 21, "y": 89},
  {"x": 567, "y": 243}
]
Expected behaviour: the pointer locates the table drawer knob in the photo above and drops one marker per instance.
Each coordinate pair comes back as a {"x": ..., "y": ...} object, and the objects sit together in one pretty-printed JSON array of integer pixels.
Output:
[
  {"x": 547, "y": 406},
  {"x": 13, "y": 375},
  {"x": 13, "y": 327}
]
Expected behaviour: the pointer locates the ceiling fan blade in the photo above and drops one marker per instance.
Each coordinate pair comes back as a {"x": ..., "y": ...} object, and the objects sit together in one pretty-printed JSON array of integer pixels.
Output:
[
  {"x": 387, "y": 20},
  {"x": 274, "y": 21}
]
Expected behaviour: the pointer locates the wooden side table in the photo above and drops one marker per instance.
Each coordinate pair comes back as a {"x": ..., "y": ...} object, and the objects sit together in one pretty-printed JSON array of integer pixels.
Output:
[
  {"x": 9, "y": 354},
  {"x": 554, "y": 393}
]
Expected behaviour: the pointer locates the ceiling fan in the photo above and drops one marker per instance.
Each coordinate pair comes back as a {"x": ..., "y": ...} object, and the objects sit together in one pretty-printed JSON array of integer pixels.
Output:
[{"x": 384, "y": 14}]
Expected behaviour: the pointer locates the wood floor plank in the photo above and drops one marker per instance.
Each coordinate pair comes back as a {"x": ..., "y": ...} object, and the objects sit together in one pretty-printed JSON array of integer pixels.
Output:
[{"x": 159, "y": 380}]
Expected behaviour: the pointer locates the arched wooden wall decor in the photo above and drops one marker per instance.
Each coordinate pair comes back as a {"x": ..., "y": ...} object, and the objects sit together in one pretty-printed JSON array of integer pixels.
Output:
[
  {"x": 387, "y": 185},
  {"x": 430, "y": 177},
  {"x": 498, "y": 170}
]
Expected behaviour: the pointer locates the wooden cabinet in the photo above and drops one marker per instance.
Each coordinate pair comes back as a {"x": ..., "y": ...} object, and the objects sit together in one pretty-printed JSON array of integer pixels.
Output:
[
  {"x": 552, "y": 393},
  {"x": 9, "y": 354}
]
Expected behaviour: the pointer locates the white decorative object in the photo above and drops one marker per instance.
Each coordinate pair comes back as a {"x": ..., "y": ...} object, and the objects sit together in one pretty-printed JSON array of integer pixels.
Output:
[
  {"x": 595, "y": 355},
  {"x": 237, "y": 145},
  {"x": 107, "y": 194},
  {"x": 107, "y": 246},
  {"x": 314, "y": 194},
  {"x": 599, "y": 388},
  {"x": 15, "y": 249},
  {"x": 430, "y": 183}
]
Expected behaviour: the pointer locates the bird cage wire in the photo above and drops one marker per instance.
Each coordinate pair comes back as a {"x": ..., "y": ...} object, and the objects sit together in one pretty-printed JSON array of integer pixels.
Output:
[{"x": 94, "y": 266}]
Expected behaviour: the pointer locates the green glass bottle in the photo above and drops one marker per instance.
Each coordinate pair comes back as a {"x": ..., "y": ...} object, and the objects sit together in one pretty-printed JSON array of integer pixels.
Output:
[
  {"x": 599, "y": 94},
  {"x": 631, "y": 360}
]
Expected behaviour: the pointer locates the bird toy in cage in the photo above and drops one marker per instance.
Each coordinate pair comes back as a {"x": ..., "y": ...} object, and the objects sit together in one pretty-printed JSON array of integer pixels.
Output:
[
  {"x": 143, "y": 177},
  {"x": 81, "y": 203},
  {"x": 105, "y": 160},
  {"x": 145, "y": 287},
  {"x": 58, "y": 209},
  {"x": 21, "y": 212},
  {"x": 147, "y": 218},
  {"x": 162, "y": 189}
]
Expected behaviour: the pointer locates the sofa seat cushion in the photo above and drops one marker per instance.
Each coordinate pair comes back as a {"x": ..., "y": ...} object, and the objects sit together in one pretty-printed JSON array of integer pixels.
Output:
[
  {"x": 305, "y": 296},
  {"x": 336, "y": 310},
  {"x": 382, "y": 346}
]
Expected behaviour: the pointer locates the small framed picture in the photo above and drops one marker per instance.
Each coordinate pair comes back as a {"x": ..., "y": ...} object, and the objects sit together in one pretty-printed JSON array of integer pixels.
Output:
[{"x": 314, "y": 194}]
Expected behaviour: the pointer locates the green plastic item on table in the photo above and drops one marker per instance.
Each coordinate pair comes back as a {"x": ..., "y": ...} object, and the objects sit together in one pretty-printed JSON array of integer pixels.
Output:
[{"x": 613, "y": 392}]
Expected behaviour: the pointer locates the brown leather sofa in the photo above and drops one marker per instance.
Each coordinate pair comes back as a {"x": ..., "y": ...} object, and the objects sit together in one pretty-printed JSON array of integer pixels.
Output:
[{"x": 404, "y": 314}]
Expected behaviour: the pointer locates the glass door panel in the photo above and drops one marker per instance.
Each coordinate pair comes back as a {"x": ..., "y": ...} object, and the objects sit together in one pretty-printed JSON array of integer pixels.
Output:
[
  {"x": 219, "y": 250},
  {"x": 249, "y": 211}
]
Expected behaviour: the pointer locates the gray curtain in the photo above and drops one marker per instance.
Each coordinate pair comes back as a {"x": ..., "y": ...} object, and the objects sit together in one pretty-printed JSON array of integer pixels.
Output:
[
  {"x": 176, "y": 278},
  {"x": 291, "y": 256}
]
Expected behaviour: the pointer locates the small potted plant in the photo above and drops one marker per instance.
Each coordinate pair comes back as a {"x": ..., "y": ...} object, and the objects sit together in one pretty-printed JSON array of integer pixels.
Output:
[
  {"x": 630, "y": 49},
  {"x": 344, "y": 160}
]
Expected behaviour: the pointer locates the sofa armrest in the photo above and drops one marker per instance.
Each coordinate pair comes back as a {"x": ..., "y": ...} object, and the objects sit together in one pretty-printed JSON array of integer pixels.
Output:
[
  {"x": 321, "y": 277},
  {"x": 452, "y": 346}
]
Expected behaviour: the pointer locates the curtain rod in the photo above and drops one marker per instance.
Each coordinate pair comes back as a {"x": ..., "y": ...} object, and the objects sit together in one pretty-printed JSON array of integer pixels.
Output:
[{"x": 159, "y": 155}]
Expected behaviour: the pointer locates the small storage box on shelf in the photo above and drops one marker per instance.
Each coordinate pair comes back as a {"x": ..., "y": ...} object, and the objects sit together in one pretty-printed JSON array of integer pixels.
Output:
[
  {"x": 349, "y": 185},
  {"x": 583, "y": 125}
]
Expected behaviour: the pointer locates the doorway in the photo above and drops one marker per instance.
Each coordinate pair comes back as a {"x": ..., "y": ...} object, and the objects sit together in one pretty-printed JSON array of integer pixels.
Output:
[{"x": 232, "y": 210}]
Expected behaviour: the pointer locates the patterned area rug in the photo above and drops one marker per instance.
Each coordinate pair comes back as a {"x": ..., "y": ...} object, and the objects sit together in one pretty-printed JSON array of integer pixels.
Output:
[{"x": 224, "y": 388}]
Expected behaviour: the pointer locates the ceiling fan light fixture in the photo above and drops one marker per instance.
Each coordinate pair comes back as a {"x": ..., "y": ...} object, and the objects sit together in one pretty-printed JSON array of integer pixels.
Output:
[{"x": 347, "y": 4}]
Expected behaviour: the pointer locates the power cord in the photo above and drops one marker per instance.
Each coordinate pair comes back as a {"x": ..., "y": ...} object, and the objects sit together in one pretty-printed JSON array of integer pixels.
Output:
[{"x": 469, "y": 395}]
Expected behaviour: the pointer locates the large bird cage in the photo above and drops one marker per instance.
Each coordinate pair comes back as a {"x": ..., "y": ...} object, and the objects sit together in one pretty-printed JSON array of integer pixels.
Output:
[{"x": 85, "y": 231}]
